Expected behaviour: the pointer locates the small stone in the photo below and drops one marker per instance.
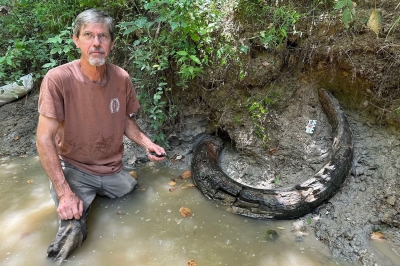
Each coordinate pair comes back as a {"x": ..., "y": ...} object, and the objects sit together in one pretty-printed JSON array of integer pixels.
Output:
[
  {"x": 335, "y": 253},
  {"x": 360, "y": 171},
  {"x": 391, "y": 200},
  {"x": 374, "y": 220},
  {"x": 271, "y": 235},
  {"x": 349, "y": 234},
  {"x": 299, "y": 239}
]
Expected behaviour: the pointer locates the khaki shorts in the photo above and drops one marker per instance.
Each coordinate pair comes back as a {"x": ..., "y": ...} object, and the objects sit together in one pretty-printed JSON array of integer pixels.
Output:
[{"x": 86, "y": 186}]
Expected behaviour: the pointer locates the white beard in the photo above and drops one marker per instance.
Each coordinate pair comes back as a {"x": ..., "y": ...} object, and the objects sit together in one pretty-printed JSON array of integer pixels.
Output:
[{"x": 97, "y": 61}]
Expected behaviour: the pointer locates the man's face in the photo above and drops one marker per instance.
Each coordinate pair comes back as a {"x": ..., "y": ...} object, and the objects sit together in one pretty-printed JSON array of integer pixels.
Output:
[{"x": 95, "y": 43}]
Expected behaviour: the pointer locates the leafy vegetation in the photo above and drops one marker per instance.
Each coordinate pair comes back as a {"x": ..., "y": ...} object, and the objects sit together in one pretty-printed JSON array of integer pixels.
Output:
[
  {"x": 36, "y": 35},
  {"x": 258, "y": 111},
  {"x": 172, "y": 42},
  {"x": 277, "y": 179},
  {"x": 272, "y": 32},
  {"x": 179, "y": 36},
  {"x": 348, "y": 12},
  {"x": 155, "y": 110},
  {"x": 164, "y": 44}
]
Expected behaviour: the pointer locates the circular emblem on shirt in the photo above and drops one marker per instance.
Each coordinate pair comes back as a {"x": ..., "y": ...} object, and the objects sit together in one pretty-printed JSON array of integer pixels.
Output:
[{"x": 114, "y": 105}]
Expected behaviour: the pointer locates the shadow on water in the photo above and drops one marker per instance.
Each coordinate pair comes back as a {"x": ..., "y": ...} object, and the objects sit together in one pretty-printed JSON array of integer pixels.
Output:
[{"x": 144, "y": 228}]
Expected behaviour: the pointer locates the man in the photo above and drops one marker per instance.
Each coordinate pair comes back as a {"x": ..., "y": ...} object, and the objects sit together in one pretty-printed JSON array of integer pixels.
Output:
[{"x": 86, "y": 107}]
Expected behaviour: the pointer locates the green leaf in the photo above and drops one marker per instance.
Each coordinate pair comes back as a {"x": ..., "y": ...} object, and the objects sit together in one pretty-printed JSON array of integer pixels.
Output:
[
  {"x": 195, "y": 59},
  {"x": 343, "y": 3},
  {"x": 277, "y": 179},
  {"x": 56, "y": 50},
  {"x": 244, "y": 49},
  {"x": 130, "y": 23},
  {"x": 190, "y": 69},
  {"x": 129, "y": 30},
  {"x": 347, "y": 17},
  {"x": 56, "y": 39},
  {"x": 174, "y": 25},
  {"x": 195, "y": 37},
  {"x": 203, "y": 31},
  {"x": 48, "y": 65},
  {"x": 141, "y": 22},
  {"x": 148, "y": 25},
  {"x": 9, "y": 62},
  {"x": 182, "y": 53}
]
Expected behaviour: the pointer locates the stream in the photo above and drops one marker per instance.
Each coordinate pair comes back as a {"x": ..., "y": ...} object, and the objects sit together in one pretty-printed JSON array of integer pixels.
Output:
[{"x": 145, "y": 227}]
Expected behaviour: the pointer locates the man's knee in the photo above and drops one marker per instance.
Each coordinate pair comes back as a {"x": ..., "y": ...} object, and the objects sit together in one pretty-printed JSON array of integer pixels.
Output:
[
  {"x": 119, "y": 184},
  {"x": 127, "y": 182}
]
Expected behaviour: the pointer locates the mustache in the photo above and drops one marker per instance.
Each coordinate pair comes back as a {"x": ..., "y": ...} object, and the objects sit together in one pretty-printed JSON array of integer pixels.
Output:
[{"x": 97, "y": 50}]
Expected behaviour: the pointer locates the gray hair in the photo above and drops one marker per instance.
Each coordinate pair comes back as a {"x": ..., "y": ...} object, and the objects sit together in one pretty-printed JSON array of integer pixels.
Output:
[{"x": 94, "y": 16}]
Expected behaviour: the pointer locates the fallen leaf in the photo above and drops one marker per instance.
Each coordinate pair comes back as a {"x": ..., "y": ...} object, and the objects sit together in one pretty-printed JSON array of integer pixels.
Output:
[
  {"x": 186, "y": 174},
  {"x": 191, "y": 263},
  {"x": 133, "y": 174},
  {"x": 172, "y": 183},
  {"x": 177, "y": 157},
  {"x": 29, "y": 181},
  {"x": 379, "y": 236},
  {"x": 374, "y": 22},
  {"x": 189, "y": 186},
  {"x": 185, "y": 211},
  {"x": 272, "y": 151},
  {"x": 16, "y": 138},
  {"x": 171, "y": 189},
  {"x": 143, "y": 188},
  {"x": 280, "y": 228}
]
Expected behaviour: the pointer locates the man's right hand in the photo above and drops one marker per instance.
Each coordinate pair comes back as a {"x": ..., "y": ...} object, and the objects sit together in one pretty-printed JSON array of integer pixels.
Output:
[{"x": 69, "y": 207}]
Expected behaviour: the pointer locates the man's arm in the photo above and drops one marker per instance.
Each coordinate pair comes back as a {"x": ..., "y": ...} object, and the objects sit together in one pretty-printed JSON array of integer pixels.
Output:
[
  {"x": 69, "y": 205},
  {"x": 134, "y": 133}
]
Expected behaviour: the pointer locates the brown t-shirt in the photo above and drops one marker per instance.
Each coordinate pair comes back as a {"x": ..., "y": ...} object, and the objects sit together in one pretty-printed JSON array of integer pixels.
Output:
[{"x": 92, "y": 117}]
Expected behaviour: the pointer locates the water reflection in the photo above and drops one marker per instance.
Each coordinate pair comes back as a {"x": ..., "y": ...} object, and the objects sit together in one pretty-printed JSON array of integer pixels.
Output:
[{"x": 144, "y": 228}]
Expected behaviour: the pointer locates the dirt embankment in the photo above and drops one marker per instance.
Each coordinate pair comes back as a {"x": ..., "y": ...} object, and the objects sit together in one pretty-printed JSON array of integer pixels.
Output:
[{"x": 362, "y": 70}]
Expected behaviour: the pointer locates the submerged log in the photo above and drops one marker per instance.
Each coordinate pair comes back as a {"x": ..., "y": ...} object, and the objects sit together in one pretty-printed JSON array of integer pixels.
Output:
[{"x": 284, "y": 203}]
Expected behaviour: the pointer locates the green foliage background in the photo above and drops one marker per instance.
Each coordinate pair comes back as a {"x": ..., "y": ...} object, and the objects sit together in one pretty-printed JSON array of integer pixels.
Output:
[{"x": 163, "y": 44}]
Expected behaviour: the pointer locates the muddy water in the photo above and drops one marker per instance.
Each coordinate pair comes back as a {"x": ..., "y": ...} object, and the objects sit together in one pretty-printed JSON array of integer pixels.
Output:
[{"x": 143, "y": 228}]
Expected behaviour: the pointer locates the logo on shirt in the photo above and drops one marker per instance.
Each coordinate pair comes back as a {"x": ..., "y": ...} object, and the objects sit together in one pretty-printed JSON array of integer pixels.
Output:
[{"x": 114, "y": 105}]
